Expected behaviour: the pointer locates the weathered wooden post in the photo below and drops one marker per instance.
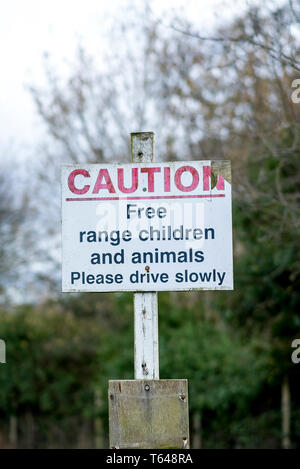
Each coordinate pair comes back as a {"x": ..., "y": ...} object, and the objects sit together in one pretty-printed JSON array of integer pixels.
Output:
[
  {"x": 146, "y": 355},
  {"x": 147, "y": 412}
]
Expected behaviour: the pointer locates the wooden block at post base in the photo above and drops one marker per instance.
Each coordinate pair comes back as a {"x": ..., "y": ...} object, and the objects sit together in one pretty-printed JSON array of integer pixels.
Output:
[{"x": 149, "y": 414}]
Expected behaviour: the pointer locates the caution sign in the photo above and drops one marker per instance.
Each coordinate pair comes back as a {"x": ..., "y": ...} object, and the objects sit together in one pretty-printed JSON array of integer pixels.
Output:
[{"x": 147, "y": 227}]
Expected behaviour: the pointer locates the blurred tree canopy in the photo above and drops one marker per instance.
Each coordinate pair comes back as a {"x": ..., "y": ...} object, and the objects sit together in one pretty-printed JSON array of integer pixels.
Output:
[{"x": 224, "y": 96}]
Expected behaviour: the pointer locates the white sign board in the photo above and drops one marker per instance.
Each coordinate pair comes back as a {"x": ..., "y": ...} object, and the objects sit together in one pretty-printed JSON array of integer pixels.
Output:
[{"x": 147, "y": 227}]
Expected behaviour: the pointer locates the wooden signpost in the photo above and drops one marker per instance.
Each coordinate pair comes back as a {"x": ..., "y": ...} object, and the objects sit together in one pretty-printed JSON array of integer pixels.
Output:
[
  {"x": 146, "y": 357},
  {"x": 147, "y": 227},
  {"x": 147, "y": 412}
]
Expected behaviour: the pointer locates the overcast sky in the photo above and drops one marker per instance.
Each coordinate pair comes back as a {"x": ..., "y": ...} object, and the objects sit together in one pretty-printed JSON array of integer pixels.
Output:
[{"x": 28, "y": 28}]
